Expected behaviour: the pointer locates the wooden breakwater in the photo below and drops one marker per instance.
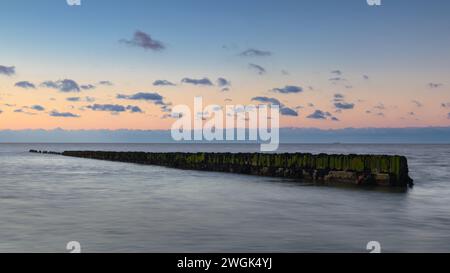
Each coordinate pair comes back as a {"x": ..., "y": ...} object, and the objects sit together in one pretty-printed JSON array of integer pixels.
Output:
[{"x": 382, "y": 170}]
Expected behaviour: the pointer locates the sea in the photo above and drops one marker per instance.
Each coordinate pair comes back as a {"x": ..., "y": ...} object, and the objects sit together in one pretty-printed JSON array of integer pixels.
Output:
[{"x": 47, "y": 201}]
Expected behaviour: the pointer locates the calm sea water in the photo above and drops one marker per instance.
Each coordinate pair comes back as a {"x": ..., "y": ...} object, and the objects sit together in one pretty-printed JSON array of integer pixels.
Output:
[{"x": 47, "y": 201}]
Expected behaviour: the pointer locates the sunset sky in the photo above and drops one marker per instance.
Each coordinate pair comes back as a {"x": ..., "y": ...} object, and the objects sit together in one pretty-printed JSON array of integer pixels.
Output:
[{"x": 111, "y": 64}]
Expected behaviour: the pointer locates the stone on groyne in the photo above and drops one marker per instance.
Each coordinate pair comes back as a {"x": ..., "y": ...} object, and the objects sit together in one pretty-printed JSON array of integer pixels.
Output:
[{"x": 381, "y": 170}]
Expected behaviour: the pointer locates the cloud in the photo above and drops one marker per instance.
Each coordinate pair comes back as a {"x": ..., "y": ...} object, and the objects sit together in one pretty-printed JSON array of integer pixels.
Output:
[
  {"x": 115, "y": 108},
  {"x": 73, "y": 99},
  {"x": 344, "y": 105},
  {"x": 145, "y": 41},
  {"x": 336, "y": 72},
  {"x": 106, "y": 83},
  {"x": 87, "y": 87},
  {"x": 284, "y": 72},
  {"x": 153, "y": 97},
  {"x": 78, "y": 99},
  {"x": 66, "y": 85},
  {"x": 163, "y": 83},
  {"x": 203, "y": 81},
  {"x": 288, "y": 89},
  {"x": 286, "y": 111},
  {"x": 448, "y": 115},
  {"x": 318, "y": 114},
  {"x": 365, "y": 77},
  {"x": 156, "y": 98},
  {"x": 336, "y": 79},
  {"x": 445, "y": 105},
  {"x": 63, "y": 114},
  {"x": 273, "y": 101},
  {"x": 338, "y": 97},
  {"x": 259, "y": 69},
  {"x": 417, "y": 103},
  {"x": 334, "y": 119},
  {"x": 25, "y": 85},
  {"x": 107, "y": 107},
  {"x": 134, "y": 109},
  {"x": 222, "y": 82},
  {"x": 37, "y": 108},
  {"x": 7, "y": 70},
  {"x": 252, "y": 52},
  {"x": 435, "y": 85}
]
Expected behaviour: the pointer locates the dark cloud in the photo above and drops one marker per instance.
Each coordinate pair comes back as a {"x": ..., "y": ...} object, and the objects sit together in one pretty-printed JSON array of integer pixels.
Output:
[
  {"x": 288, "y": 89},
  {"x": 445, "y": 105},
  {"x": 25, "y": 84},
  {"x": 66, "y": 85},
  {"x": 115, "y": 108},
  {"x": 163, "y": 83},
  {"x": 417, "y": 103},
  {"x": 338, "y": 97},
  {"x": 78, "y": 99},
  {"x": 134, "y": 109},
  {"x": 63, "y": 114},
  {"x": 87, "y": 87},
  {"x": 107, "y": 107},
  {"x": 365, "y": 77},
  {"x": 286, "y": 111},
  {"x": 222, "y": 82},
  {"x": 336, "y": 79},
  {"x": 106, "y": 83},
  {"x": 145, "y": 41},
  {"x": 318, "y": 114},
  {"x": 336, "y": 72},
  {"x": 153, "y": 97},
  {"x": 252, "y": 52},
  {"x": 259, "y": 69},
  {"x": 203, "y": 81},
  {"x": 7, "y": 70},
  {"x": 37, "y": 108},
  {"x": 273, "y": 101},
  {"x": 73, "y": 99},
  {"x": 344, "y": 105},
  {"x": 334, "y": 119},
  {"x": 435, "y": 85}
]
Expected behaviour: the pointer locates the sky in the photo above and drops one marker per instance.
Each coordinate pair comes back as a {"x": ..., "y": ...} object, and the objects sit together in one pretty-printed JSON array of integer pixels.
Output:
[{"x": 329, "y": 64}]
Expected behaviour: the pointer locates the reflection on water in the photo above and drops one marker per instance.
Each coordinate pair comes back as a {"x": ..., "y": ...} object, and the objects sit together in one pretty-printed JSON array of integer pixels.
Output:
[{"x": 47, "y": 201}]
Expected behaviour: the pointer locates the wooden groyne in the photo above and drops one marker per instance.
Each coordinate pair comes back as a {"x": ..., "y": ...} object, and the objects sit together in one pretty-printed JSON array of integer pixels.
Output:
[{"x": 381, "y": 170}]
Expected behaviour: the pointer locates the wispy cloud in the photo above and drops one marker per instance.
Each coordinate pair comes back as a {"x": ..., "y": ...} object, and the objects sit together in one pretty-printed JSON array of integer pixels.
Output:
[
  {"x": 163, "y": 83},
  {"x": 273, "y": 101},
  {"x": 336, "y": 72},
  {"x": 87, "y": 87},
  {"x": 434, "y": 85},
  {"x": 114, "y": 108},
  {"x": 106, "y": 83},
  {"x": 25, "y": 85},
  {"x": 224, "y": 84},
  {"x": 253, "y": 52},
  {"x": 145, "y": 41},
  {"x": 203, "y": 81},
  {"x": 37, "y": 108},
  {"x": 417, "y": 103},
  {"x": 259, "y": 69},
  {"x": 286, "y": 111},
  {"x": 288, "y": 89},
  {"x": 66, "y": 85},
  {"x": 7, "y": 70},
  {"x": 55, "y": 113}
]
